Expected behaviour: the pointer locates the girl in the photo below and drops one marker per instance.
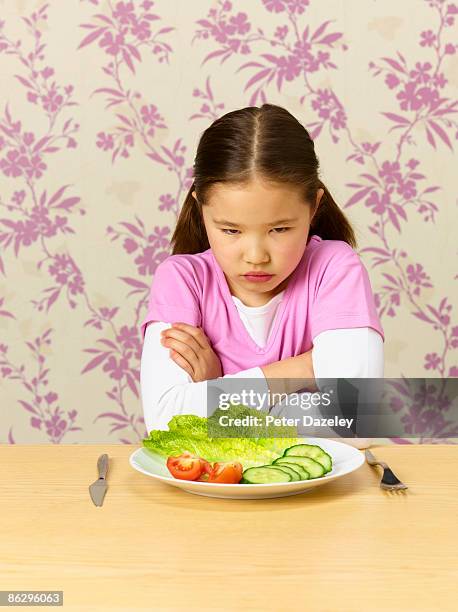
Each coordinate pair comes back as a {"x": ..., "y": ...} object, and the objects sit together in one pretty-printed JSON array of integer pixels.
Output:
[{"x": 256, "y": 206}]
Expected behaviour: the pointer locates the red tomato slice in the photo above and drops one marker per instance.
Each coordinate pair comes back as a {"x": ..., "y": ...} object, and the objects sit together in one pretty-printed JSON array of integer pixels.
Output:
[
  {"x": 228, "y": 472},
  {"x": 185, "y": 466},
  {"x": 206, "y": 466}
]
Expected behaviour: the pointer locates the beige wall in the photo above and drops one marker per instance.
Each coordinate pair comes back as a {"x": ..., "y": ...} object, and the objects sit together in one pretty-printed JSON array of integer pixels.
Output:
[{"x": 100, "y": 285}]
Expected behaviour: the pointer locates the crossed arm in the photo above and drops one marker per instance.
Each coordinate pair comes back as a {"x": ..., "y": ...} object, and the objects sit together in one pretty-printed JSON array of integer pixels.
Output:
[{"x": 167, "y": 389}]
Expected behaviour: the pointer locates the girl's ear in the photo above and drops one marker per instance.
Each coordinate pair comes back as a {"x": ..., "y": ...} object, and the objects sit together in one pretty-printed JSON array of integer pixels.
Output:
[
  {"x": 194, "y": 195},
  {"x": 319, "y": 195}
]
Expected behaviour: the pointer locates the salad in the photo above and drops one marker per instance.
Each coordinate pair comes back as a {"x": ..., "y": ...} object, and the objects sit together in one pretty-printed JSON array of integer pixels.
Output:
[{"x": 194, "y": 449}]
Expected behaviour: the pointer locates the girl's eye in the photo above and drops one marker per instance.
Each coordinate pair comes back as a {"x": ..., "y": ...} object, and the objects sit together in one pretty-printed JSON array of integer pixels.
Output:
[{"x": 275, "y": 228}]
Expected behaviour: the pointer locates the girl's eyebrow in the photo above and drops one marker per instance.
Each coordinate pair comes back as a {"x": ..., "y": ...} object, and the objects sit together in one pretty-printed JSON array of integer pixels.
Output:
[{"x": 224, "y": 222}]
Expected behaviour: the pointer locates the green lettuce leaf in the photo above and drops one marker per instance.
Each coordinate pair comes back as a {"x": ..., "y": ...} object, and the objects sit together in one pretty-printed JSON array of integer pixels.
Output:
[
  {"x": 212, "y": 441},
  {"x": 168, "y": 443},
  {"x": 189, "y": 424}
]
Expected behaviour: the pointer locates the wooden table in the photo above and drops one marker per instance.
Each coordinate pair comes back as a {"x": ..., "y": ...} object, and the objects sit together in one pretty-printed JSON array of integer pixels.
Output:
[{"x": 346, "y": 546}]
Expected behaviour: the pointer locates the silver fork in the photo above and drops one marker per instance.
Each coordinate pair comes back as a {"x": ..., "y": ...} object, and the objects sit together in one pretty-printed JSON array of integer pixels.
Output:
[{"x": 389, "y": 480}]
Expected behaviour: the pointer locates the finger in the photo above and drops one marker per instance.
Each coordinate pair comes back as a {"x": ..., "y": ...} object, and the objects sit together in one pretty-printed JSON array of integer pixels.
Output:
[
  {"x": 189, "y": 350},
  {"x": 196, "y": 332},
  {"x": 183, "y": 337},
  {"x": 181, "y": 361}
]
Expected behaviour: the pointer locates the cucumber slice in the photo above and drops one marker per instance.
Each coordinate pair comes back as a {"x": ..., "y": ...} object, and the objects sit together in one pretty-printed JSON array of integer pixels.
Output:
[
  {"x": 300, "y": 468},
  {"x": 313, "y": 451},
  {"x": 285, "y": 468},
  {"x": 297, "y": 468},
  {"x": 314, "y": 468},
  {"x": 265, "y": 474},
  {"x": 301, "y": 471}
]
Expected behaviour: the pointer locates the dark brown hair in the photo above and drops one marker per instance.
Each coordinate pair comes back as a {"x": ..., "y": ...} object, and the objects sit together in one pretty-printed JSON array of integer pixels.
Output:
[{"x": 267, "y": 142}]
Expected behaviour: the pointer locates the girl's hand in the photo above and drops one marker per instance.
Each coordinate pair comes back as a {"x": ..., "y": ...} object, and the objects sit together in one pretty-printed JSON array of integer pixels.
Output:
[{"x": 192, "y": 351}]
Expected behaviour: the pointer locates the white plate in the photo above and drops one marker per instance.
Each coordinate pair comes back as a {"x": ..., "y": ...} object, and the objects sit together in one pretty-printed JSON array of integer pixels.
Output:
[{"x": 345, "y": 459}]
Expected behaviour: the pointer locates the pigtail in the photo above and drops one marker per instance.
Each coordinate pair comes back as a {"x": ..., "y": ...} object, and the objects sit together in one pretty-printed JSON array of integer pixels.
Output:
[
  {"x": 190, "y": 235},
  {"x": 329, "y": 222}
]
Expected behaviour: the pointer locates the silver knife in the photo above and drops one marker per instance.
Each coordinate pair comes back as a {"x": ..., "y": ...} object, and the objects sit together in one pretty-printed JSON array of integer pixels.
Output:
[{"x": 98, "y": 488}]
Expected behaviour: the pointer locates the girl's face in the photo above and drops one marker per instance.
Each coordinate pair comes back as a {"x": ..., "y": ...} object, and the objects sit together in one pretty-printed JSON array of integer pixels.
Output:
[{"x": 247, "y": 231}]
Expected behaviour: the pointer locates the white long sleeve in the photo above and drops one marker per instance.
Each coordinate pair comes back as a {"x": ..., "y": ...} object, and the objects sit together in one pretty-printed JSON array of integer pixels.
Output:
[
  {"x": 348, "y": 353},
  {"x": 168, "y": 390}
]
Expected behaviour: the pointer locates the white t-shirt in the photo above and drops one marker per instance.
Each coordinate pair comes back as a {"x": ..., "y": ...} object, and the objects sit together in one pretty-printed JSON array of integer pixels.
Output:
[{"x": 168, "y": 390}]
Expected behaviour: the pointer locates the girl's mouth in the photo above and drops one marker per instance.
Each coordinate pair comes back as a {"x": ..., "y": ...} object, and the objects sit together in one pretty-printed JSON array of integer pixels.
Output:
[{"x": 258, "y": 278}]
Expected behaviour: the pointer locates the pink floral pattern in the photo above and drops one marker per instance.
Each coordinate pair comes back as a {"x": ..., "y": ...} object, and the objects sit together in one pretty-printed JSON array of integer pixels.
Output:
[{"x": 118, "y": 37}]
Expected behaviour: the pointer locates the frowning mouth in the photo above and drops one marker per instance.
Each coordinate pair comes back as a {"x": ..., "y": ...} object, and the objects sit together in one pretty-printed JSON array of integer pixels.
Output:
[{"x": 258, "y": 277}]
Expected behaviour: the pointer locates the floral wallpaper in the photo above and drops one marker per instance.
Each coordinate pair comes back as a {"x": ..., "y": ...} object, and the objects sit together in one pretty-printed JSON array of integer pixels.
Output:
[{"x": 102, "y": 104}]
